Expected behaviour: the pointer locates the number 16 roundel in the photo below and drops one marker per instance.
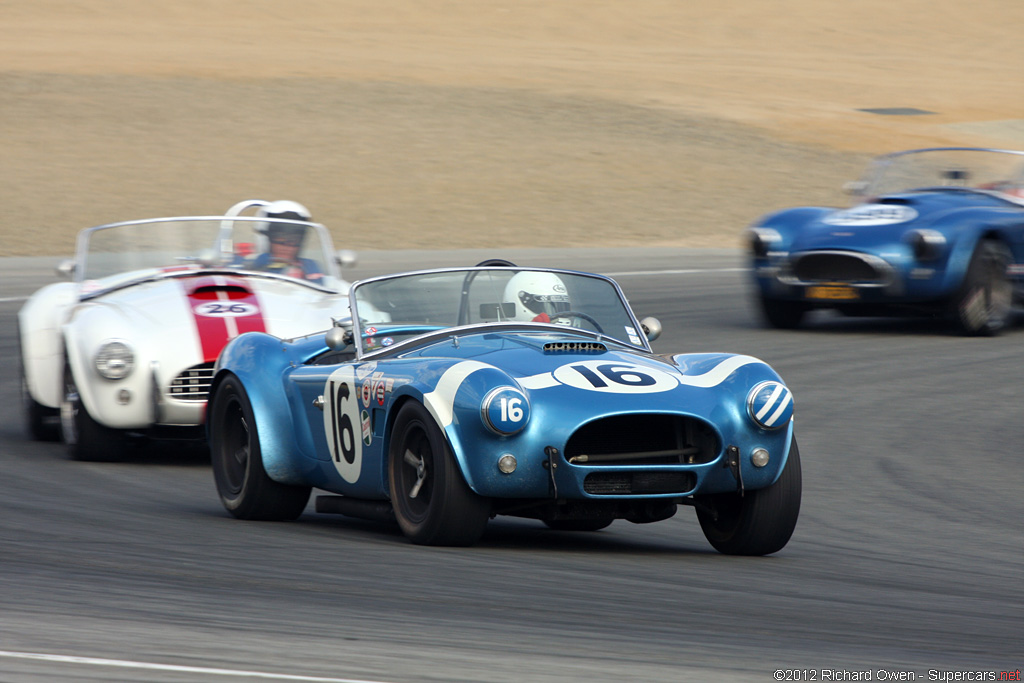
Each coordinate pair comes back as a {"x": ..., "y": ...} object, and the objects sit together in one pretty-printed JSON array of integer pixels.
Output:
[{"x": 341, "y": 419}]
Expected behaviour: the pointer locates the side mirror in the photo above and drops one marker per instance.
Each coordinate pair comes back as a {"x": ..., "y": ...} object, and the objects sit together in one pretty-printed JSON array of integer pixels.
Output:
[
  {"x": 855, "y": 187},
  {"x": 346, "y": 258},
  {"x": 651, "y": 327},
  {"x": 66, "y": 268},
  {"x": 337, "y": 338}
]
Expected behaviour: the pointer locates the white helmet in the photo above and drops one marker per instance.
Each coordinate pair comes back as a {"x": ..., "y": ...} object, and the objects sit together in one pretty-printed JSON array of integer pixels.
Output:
[
  {"x": 287, "y": 210},
  {"x": 537, "y": 295}
]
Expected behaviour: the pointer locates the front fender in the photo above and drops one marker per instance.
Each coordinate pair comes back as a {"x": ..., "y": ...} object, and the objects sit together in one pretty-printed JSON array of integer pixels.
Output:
[
  {"x": 39, "y": 329},
  {"x": 260, "y": 362},
  {"x": 84, "y": 333}
]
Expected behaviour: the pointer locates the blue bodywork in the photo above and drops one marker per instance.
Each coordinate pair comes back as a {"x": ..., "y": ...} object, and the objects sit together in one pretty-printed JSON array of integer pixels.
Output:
[
  {"x": 689, "y": 424},
  {"x": 907, "y": 246}
]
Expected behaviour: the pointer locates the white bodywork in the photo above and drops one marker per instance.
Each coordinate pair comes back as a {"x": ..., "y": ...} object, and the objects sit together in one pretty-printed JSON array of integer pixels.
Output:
[{"x": 174, "y": 317}]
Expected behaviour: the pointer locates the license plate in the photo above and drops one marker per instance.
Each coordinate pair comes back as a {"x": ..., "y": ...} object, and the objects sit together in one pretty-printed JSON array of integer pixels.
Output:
[{"x": 832, "y": 292}]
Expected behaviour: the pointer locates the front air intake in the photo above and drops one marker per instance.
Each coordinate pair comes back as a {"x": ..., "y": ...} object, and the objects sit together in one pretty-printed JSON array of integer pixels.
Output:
[
  {"x": 643, "y": 439},
  {"x": 193, "y": 384}
]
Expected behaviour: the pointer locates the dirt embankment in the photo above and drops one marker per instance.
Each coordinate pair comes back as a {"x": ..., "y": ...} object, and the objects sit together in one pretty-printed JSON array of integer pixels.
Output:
[{"x": 484, "y": 123}]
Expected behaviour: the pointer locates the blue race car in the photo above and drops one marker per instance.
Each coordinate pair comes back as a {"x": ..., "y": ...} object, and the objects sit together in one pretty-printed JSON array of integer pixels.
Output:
[
  {"x": 938, "y": 232},
  {"x": 451, "y": 396}
]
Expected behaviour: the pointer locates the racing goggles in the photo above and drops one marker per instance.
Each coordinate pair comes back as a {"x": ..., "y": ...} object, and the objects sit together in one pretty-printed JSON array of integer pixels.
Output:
[{"x": 545, "y": 303}]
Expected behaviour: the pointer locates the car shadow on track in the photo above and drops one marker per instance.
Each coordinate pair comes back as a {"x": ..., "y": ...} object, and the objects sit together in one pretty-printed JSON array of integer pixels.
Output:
[
  {"x": 831, "y": 322},
  {"x": 508, "y": 534}
]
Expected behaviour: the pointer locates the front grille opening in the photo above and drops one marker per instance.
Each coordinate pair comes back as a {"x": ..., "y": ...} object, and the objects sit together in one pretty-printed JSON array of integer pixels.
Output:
[
  {"x": 834, "y": 267},
  {"x": 643, "y": 439},
  {"x": 638, "y": 483},
  {"x": 192, "y": 384}
]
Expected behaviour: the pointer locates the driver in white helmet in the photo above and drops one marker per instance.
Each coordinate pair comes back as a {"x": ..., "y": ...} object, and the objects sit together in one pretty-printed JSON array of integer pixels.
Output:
[
  {"x": 285, "y": 241},
  {"x": 538, "y": 297}
]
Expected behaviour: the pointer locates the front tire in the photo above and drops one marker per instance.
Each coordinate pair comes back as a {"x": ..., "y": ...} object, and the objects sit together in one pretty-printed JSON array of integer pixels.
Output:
[
  {"x": 780, "y": 314},
  {"x": 432, "y": 502},
  {"x": 245, "y": 488},
  {"x": 759, "y": 522},
  {"x": 87, "y": 440},
  {"x": 983, "y": 305}
]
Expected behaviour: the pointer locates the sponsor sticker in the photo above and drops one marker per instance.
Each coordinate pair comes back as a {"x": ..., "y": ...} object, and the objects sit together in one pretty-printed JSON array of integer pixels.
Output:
[{"x": 367, "y": 428}]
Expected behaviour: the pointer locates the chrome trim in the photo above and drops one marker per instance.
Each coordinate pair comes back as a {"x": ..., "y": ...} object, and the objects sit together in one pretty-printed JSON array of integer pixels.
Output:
[{"x": 885, "y": 269}]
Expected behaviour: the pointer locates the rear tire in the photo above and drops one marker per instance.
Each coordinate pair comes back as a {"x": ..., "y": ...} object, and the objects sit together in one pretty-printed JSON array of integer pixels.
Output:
[
  {"x": 87, "y": 440},
  {"x": 759, "y": 522},
  {"x": 245, "y": 488},
  {"x": 983, "y": 305},
  {"x": 433, "y": 503}
]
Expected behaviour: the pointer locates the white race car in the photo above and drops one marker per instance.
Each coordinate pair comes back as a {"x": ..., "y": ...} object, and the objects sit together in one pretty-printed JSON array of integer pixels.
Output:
[{"x": 128, "y": 346}]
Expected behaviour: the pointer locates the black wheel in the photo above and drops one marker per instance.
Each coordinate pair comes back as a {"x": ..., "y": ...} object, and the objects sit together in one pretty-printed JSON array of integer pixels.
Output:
[
  {"x": 578, "y": 524},
  {"x": 491, "y": 262},
  {"x": 245, "y": 489},
  {"x": 983, "y": 304},
  {"x": 759, "y": 522},
  {"x": 42, "y": 422},
  {"x": 86, "y": 439},
  {"x": 577, "y": 315},
  {"x": 783, "y": 315},
  {"x": 432, "y": 502}
]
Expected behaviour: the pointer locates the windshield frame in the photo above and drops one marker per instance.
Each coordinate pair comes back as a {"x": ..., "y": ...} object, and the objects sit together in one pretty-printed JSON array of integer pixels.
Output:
[
  {"x": 464, "y": 326},
  {"x": 881, "y": 177},
  {"x": 219, "y": 256}
]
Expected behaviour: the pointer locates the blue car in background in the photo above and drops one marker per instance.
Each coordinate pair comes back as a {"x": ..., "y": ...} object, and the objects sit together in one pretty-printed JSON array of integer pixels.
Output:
[
  {"x": 454, "y": 395},
  {"x": 936, "y": 231}
]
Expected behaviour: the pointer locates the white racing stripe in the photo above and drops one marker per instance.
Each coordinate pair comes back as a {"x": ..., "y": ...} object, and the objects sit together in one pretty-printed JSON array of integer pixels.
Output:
[
  {"x": 719, "y": 373},
  {"x": 711, "y": 378},
  {"x": 95, "y": 661},
  {"x": 441, "y": 401}
]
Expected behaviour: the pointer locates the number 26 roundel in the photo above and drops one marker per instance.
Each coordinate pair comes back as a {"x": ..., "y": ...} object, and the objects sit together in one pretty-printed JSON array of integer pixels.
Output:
[{"x": 341, "y": 422}]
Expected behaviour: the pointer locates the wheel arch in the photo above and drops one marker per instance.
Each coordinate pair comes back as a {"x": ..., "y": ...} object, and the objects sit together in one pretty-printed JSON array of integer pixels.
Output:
[
  {"x": 39, "y": 335},
  {"x": 259, "y": 368},
  {"x": 963, "y": 245},
  {"x": 449, "y": 432}
]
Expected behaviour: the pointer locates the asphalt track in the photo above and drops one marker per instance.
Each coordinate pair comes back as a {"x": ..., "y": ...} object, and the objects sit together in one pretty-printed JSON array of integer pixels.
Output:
[{"x": 908, "y": 558}]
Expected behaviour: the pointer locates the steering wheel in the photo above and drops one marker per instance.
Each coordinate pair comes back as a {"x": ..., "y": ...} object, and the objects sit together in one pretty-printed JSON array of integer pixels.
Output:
[{"x": 576, "y": 314}]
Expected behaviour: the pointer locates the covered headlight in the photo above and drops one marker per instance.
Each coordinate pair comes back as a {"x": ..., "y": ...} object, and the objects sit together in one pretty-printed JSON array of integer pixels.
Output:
[
  {"x": 763, "y": 240},
  {"x": 114, "y": 360},
  {"x": 505, "y": 410},
  {"x": 927, "y": 244},
  {"x": 770, "y": 405}
]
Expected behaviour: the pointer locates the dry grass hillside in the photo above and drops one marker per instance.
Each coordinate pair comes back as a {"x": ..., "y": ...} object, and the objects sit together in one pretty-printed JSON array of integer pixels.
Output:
[{"x": 483, "y": 123}]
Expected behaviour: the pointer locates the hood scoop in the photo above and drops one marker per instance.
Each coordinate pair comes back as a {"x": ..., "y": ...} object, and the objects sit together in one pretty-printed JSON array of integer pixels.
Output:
[
  {"x": 213, "y": 292},
  {"x": 575, "y": 347}
]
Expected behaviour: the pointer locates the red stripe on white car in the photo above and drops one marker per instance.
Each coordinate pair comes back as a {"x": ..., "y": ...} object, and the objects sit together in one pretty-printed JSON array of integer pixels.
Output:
[{"x": 222, "y": 308}]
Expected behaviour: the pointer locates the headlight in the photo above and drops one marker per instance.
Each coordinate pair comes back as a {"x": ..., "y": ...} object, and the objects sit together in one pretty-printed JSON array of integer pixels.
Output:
[
  {"x": 114, "y": 360},
  {"x": 927, "y": 244},
  {"x": 505, "y": 410},
  {"x": 763, "y": 240},
  {"x": 770, "y": 405}
]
